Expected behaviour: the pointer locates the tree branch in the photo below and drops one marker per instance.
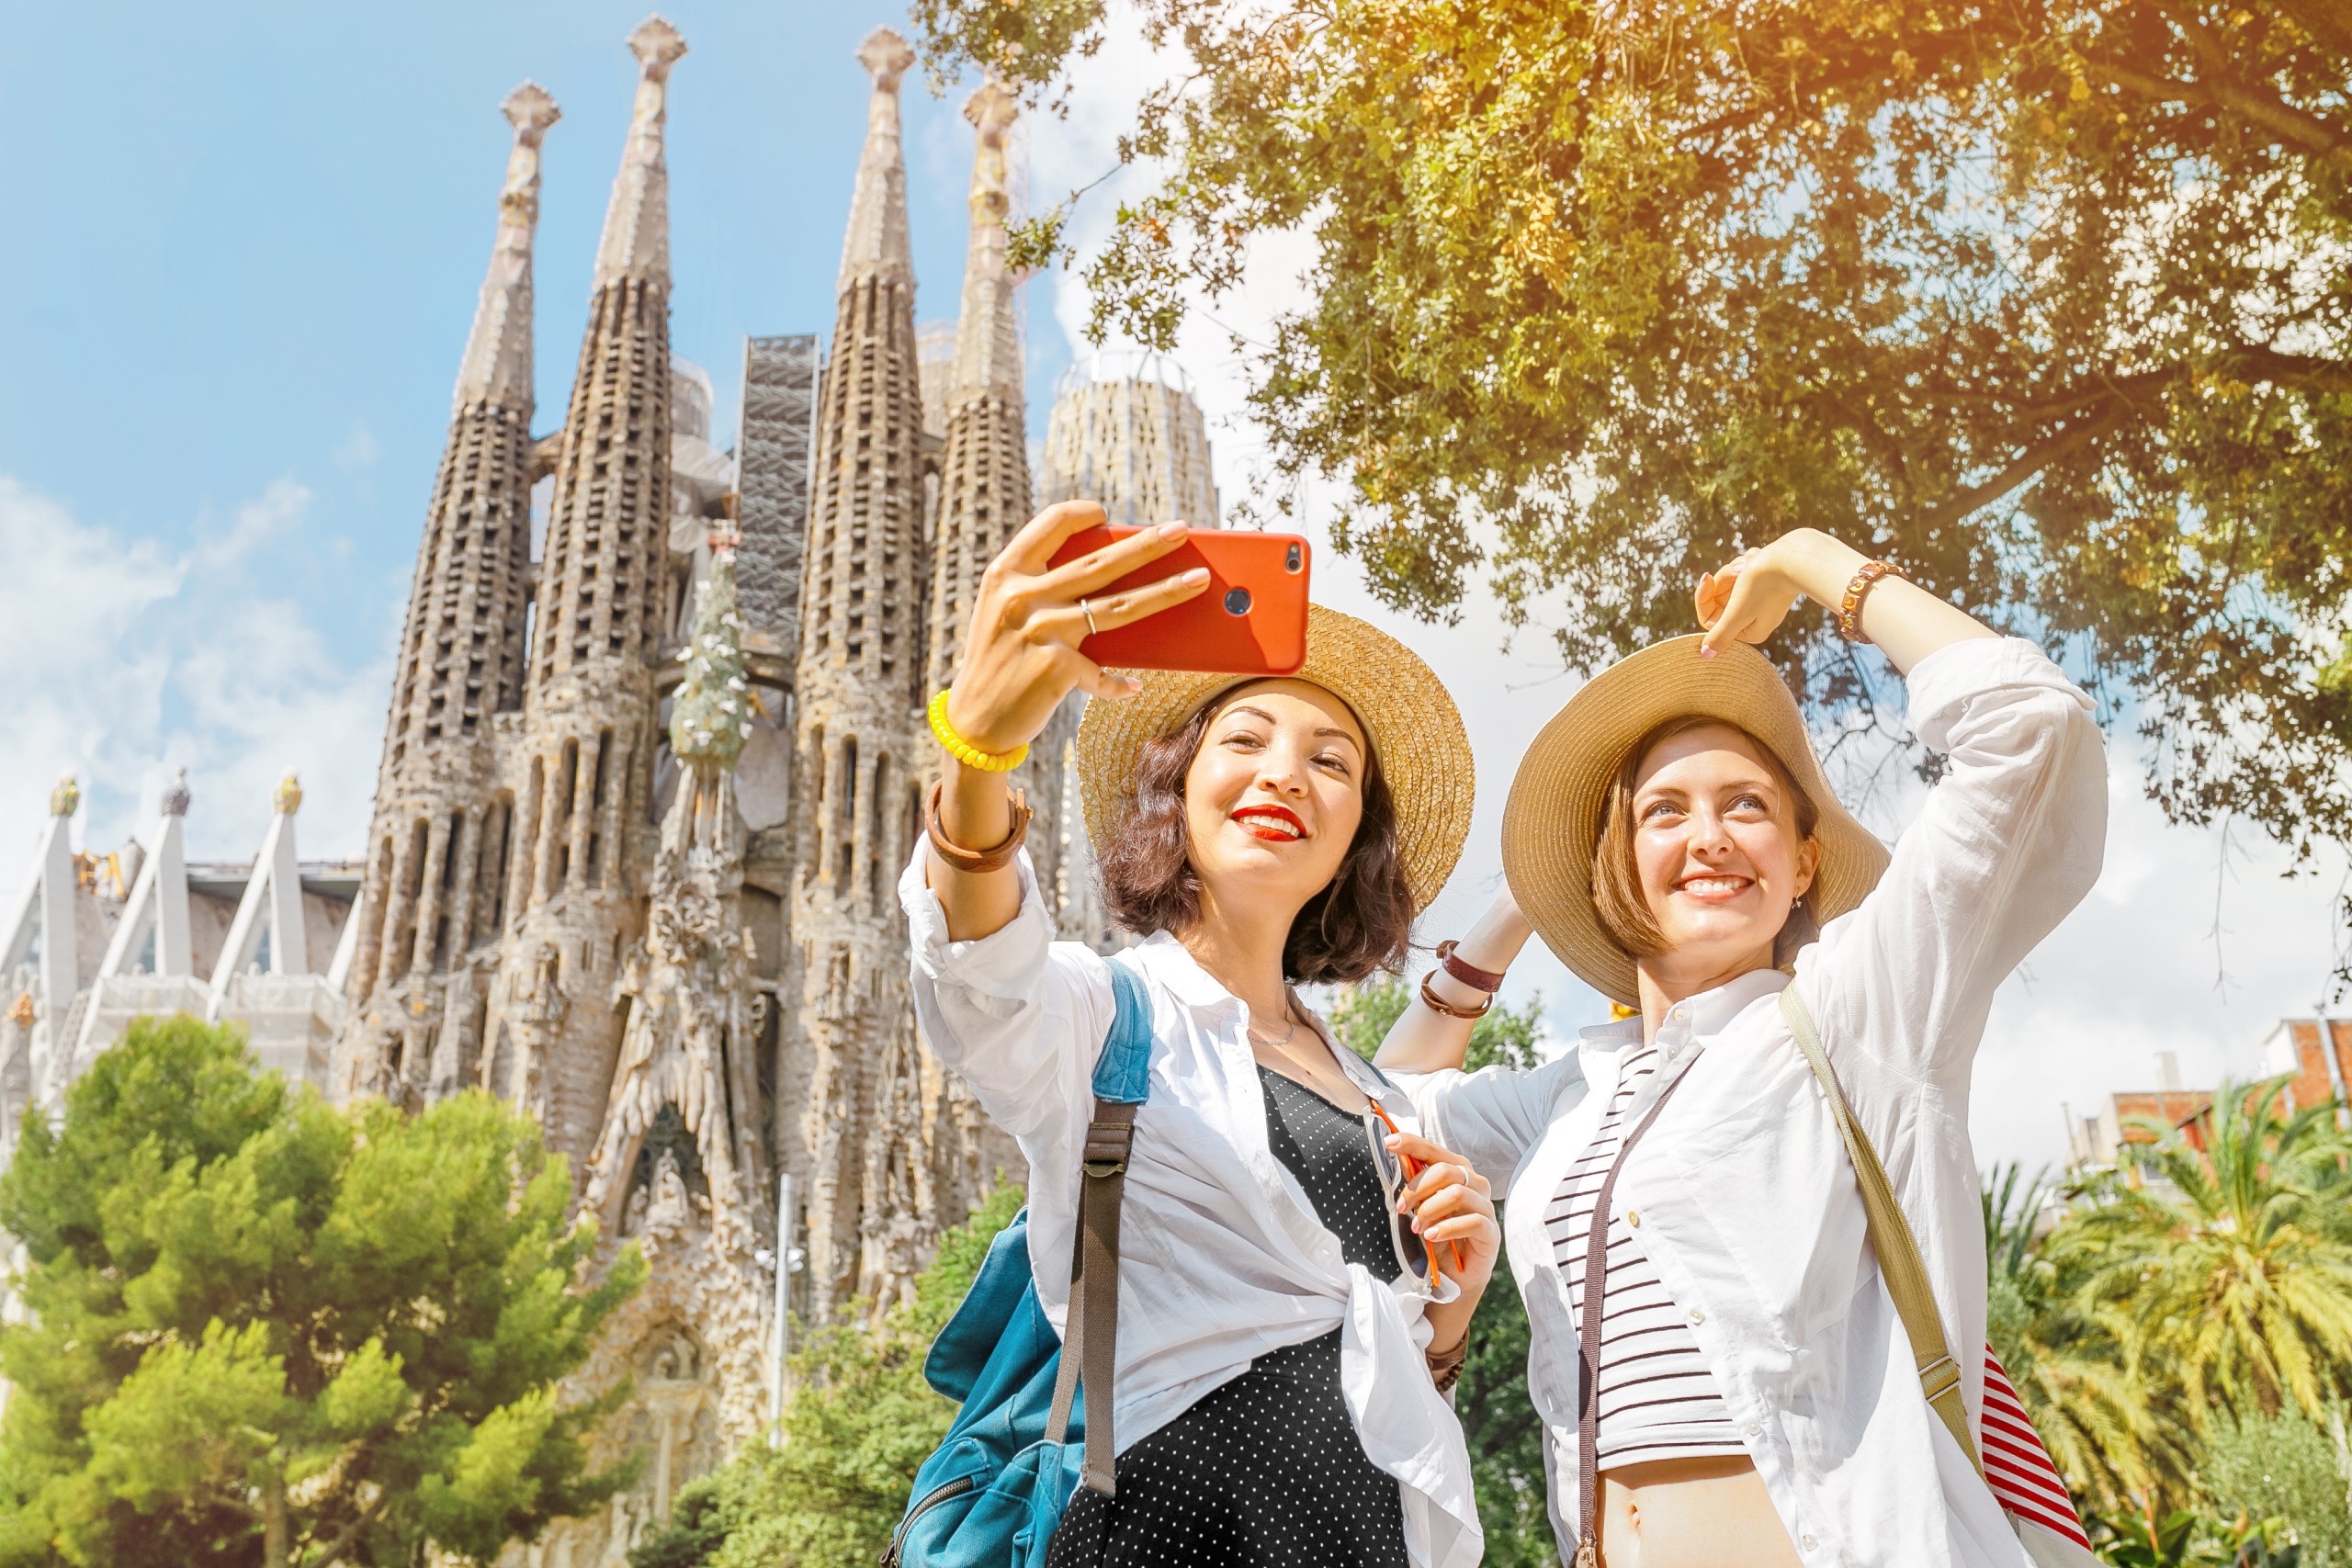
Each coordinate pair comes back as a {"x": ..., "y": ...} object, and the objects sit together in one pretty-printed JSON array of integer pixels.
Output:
[
  {"x": 2027, "y": 464},
  {"x": 2301, "y": 371},
  {"x": 2306, "y": 130},
  {"x": 349, "y": 1533}
]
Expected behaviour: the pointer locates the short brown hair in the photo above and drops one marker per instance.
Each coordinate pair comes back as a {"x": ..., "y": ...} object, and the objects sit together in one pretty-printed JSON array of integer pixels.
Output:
[
  {"x": 1360, "y": 922},
  {"x": 1617, "y": 895}
]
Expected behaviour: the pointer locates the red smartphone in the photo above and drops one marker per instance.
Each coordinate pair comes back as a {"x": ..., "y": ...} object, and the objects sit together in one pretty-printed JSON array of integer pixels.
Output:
[{"x": 1250, "y": 620}]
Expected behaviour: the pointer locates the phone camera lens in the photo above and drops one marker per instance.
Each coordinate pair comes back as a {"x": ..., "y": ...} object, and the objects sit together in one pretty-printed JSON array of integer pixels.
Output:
[
  {"x": 1237, "y": 601},
  {"x": 1292, "y": 562}
]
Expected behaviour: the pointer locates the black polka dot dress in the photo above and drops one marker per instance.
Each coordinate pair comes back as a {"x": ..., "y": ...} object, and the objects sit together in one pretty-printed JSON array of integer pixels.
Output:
[{"x": 1266, "y": 1471}]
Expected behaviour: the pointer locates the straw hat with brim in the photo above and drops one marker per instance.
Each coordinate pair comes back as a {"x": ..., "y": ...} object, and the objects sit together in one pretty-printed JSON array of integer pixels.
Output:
[
  {"x": 1553, "y": 818},
  {"x": 1415, "y": 730}
]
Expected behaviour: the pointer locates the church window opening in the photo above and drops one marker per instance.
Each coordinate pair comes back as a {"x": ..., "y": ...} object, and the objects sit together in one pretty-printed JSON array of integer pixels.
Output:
[
  {"x": 879, "y": 850},
  {"x": 846, "y": 818},
  {"x": 567, "y": 780},
  {"x": 496, "y": 849}
]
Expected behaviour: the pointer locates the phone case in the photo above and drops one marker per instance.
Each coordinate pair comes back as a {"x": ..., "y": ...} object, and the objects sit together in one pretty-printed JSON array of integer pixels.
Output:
[{"x": 1251, "y": 619}]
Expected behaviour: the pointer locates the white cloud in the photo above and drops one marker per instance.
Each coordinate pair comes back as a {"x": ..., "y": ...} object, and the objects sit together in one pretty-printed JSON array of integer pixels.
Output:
[
  {"x": 2135, "y": 970},
  {"x": 359, "y": 448},
  {"x": 124, "y": 659}
]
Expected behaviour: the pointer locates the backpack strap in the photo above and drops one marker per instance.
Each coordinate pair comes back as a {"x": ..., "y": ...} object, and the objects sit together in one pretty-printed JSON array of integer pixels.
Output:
[
  {"x": 1899, "y": 1263},
  {"x": 1089, "y": 1339}
]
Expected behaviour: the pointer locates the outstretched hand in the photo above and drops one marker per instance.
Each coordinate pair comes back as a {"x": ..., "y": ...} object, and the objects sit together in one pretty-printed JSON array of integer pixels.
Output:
[{"x": 1020, "y": 655}]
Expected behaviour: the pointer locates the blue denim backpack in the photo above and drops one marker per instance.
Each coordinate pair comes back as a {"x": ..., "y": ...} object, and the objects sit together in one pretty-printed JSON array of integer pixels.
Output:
[{"x": 994, "y": 1492}]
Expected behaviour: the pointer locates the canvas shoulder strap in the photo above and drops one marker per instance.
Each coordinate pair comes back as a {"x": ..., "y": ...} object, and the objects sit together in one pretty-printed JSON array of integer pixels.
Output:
[
  {"x": 1898, "y": 1250},
  {"x": 1090, "y": 1335}
]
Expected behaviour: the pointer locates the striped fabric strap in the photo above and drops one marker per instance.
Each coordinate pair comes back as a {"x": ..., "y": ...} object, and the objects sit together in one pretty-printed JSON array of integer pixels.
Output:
[{"x": 2018, "y": 1466}]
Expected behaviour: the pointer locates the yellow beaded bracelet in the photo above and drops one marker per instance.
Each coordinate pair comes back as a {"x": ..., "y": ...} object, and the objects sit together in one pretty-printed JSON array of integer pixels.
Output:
[{"x": 964, "y": 751}]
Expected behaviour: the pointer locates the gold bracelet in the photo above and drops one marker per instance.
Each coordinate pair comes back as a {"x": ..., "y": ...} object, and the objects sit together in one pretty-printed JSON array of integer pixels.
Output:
[{"x": 964, "y": 751}]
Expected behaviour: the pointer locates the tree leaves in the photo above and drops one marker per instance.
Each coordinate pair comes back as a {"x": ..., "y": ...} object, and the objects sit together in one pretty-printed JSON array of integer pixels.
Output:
[
  {"x": 247, "y": 1306},
  {"x": 2045, "y": 300}
]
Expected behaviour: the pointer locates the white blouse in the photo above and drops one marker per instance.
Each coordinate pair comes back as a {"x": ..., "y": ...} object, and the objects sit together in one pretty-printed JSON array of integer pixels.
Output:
[
  {"x": 1222, "y": 1258},
  {"x": 1742, "y": 1192}
]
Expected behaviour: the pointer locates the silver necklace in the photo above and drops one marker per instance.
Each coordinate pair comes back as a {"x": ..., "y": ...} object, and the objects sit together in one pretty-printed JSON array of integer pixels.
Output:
[{"x": 1281, "y": 1045}]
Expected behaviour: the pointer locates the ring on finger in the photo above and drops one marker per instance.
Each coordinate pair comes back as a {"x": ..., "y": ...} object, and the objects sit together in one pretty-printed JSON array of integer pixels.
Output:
[{"x": 1088, "y": 611}]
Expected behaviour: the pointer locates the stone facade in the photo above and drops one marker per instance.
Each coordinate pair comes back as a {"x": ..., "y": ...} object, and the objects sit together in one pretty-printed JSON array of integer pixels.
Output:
[{"x": 1128, "y": 432}]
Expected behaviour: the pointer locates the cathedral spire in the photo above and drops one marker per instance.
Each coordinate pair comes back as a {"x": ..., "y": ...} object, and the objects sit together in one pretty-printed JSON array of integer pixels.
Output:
[
  {"x": 497, "y": 366},
  {"x": 583, "y": 763},
  {"x": 876, "y": 244},
  {"x": 637, "y": 224},
  {"x": 984, "y": 464},
  {"x": 987, "y": 345}
]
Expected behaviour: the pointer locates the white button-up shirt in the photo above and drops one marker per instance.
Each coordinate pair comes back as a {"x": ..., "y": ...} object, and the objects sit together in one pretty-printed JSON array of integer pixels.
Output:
[
  {"x": 1748, "y": 1204},
  {"x": 1221, "y": 1256}
]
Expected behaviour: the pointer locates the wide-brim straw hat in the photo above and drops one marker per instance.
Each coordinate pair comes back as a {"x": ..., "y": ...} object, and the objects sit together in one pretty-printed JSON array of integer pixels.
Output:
[
  {"x": 1415, "y": 730},
  {"x": 1552, "y": 821}
]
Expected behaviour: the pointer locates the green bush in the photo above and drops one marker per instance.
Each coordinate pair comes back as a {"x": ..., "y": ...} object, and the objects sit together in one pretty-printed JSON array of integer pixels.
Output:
[{"x": 2288, "y": 1466}]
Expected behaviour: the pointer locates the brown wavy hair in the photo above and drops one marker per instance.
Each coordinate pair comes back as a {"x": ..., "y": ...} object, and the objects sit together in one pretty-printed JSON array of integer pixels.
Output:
[
  {"x": 1617, "y": 895},
  {"x": 1360, "y": 922}
]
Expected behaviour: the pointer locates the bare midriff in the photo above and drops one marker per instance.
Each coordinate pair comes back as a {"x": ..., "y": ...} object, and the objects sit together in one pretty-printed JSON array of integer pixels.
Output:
[{"x": 1691, "y": 1513}]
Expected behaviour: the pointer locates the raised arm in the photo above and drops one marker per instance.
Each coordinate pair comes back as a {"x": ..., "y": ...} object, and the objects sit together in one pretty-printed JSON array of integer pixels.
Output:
[
  {"x": 1020, "y": 659},
  {"x": 1423, "y": 1040},
  {"x": 1746, "y": 600},
  {"x": 2007, "y": 843}
]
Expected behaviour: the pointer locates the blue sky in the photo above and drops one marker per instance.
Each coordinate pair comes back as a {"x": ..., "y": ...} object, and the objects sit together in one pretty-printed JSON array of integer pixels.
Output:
[
  {"x": 249, "y": 237},
  {"x": 240, "y": 245}
]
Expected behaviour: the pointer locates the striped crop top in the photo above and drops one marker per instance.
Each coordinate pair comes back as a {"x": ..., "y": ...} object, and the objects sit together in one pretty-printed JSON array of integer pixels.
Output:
[{"x": 1657, "y": 1398}]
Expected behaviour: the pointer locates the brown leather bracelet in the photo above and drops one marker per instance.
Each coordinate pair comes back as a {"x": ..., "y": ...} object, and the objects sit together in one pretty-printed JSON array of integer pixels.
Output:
[
  {"x": 1477, "y": 979},
  {"x": 1435, "y": 1003},
  {"x": 1445, "y": 1369},
  {"x": 1849, "y": 608},
  {"x": 956, "y": 856}
]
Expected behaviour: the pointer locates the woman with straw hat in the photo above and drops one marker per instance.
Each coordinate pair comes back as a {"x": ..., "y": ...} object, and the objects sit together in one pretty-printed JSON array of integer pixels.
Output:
[
  {"x": 1781, "y": 1368},
  {"x": 1295, "y": 1270}
]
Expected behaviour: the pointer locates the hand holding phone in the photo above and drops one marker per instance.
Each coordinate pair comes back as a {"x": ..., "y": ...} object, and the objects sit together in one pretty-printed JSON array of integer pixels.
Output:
[
  {"x": 1020, "y": 649},
  {"x": 1249, "y": 620}
]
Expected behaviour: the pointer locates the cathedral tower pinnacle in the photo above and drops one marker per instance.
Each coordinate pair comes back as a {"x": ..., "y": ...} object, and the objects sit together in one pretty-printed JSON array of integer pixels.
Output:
[
  {"x": 583, "y": 769},
  {"x": 875, "y": 245},
  {"x": 860, "y": 751},
  {"x": 497, "y": 366},
  {"x": 637, "y": 224},
  {"x": 441, "y": 837}
]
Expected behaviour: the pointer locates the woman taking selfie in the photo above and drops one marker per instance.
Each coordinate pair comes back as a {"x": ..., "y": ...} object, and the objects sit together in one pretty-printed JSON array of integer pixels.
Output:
[
  {"x": 1280, "y": 1336},
  {"x": 1756, "y": 1399}
]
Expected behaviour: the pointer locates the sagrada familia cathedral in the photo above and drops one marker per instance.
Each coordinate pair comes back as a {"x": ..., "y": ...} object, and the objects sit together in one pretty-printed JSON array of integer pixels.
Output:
[{"x": 644, "y": 796}]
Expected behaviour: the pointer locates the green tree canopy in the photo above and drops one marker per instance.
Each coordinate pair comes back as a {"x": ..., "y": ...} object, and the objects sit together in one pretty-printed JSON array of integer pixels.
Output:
[
  {"x": 2046, "y": 300},
  {"x": 266, "y": 1331}
]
